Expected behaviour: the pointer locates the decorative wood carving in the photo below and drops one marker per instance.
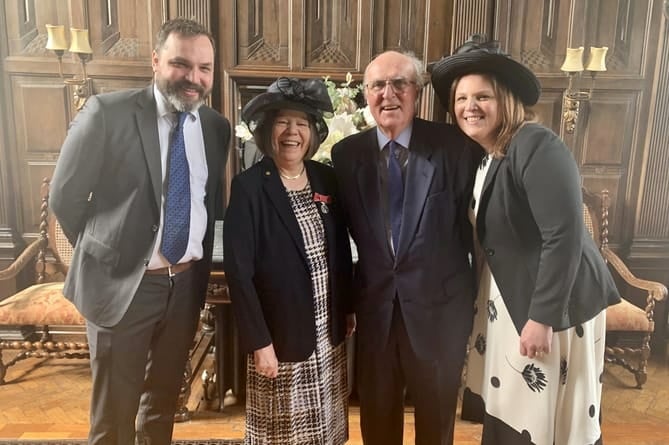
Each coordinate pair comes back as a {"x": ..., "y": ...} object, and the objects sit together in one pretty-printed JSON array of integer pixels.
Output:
[
  {"x": 623, "y": 27},
  {"x": 653, "y": 219},
  {"x": 198, "y": 10},
  {"x": 331, "y": 33},
  {"x": 471, "y": 17},
  {"x": 534, "y": 32},
  {"x": 262, "y": 32},
  {"x": 109, "y": 24},
  {"x": 399, "y": 25},
  {"x": 23, "y": 29}
]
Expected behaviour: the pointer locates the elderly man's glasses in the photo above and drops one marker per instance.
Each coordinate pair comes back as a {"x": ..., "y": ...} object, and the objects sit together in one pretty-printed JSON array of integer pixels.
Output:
[{"x": 398, "y": 84}]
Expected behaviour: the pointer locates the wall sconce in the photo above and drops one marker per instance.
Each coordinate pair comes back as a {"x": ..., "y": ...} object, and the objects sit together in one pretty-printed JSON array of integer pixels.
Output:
[
  {"x": 573, "y": 66},
  {"x": 58, "y": 43}
]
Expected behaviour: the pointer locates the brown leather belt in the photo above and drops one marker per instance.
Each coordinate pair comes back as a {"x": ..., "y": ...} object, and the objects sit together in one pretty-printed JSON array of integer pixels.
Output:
[{"x": 170, "y": 270}]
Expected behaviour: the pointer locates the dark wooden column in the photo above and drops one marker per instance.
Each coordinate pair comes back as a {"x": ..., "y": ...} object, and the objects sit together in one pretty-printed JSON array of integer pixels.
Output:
[
  {"x": 649, "y": 251},
  {"x": 10, "y": 242}
]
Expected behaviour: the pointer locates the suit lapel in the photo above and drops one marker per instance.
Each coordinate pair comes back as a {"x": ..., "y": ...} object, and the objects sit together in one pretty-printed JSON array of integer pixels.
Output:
[
  {"x": 276, "y": 193},
  {"x": 147, "y": 118},
  {"x": 318, "y": 186},
  {"x": 212, "y": 150},
  {"x": 419, "y": 177},
  {"x": 369, "y": 185},
  {"x": 485, "y": 196}
]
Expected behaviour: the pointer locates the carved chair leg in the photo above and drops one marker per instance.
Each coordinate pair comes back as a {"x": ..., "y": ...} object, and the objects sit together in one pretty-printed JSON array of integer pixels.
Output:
[
  {"x": 183, "y": 413},
  {"x": 3, "y": 370},
  {"x": 640, "y": 377}
]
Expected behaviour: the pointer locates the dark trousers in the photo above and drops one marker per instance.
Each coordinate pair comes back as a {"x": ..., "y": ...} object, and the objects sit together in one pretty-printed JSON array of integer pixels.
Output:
[
  {"x": 384, "y": 375},
  {"x": 138, "y": 365}
]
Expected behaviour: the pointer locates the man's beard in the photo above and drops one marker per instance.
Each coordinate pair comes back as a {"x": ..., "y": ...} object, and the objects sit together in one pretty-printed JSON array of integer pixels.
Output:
[{"x": 172, "y": 92}]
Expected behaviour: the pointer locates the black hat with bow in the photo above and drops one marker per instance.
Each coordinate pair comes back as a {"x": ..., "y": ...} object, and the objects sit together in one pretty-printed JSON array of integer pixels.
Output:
[
  {"x": 309, "y": 96},
  {"x": 478, "y": 56}
]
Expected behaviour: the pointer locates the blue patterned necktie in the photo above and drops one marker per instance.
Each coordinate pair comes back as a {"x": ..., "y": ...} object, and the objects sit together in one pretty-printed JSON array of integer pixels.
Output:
[
  {"x": 395, "y": 191},
  {"x": 176, "y": 225}
]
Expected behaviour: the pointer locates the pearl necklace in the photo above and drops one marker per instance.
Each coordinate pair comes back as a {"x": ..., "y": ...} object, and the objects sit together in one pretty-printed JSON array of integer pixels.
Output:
[{"x": 291, "y": 178}]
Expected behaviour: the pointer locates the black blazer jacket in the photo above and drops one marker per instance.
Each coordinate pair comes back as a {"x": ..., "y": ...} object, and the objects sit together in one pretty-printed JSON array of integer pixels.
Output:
[
  {"x": 430, "y": 275},
  {"x": 266, "y": 263},
  {"x": 530, "y": 226}
]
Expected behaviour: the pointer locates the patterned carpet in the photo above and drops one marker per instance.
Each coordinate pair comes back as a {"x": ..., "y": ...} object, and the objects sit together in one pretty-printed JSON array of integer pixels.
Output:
[{"x": 83, "y": 442}]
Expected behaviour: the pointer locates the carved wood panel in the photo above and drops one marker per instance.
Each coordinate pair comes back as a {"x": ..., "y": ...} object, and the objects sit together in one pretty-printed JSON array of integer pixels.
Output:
[
  {"x": 471, "y": 17},
  {"x": 607, "y": 143},
  {"x": 534, "y": 31},
  {"x": 653, "y": 219},
  {"x": 121, "y": 36},
  {"x": 262, "y": 33},
  {"x": 399, "y": 25},
  {"x": 331, "y": 34}
]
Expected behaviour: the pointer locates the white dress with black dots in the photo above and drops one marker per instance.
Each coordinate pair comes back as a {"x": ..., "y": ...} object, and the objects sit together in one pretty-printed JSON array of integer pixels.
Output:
[
  {"x": 550, "y": 400},
  {"x": 307, "y": 403}
]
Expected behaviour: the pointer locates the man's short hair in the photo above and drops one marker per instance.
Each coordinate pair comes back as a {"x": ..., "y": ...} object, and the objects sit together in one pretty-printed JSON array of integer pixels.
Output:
[{"x": 183, "y": 27}]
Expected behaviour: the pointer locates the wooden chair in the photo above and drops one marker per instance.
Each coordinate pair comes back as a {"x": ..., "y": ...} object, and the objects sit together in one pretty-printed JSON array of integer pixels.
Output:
[
  {"x": 41, "y": 313},
  {"x": 628, "y": 326},
  {"x": 48, "y": 320}
]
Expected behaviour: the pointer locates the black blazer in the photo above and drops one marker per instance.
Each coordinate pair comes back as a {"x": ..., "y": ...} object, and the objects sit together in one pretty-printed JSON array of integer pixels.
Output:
[
  {"x": 266, "y": 265},
  {"x": 530, "y": 225},
  {"x": 431, "y": 273}
]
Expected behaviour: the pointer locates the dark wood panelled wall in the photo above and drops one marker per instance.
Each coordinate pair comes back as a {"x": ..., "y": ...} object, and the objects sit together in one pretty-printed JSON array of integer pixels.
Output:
[{"x": 621, "y": 138}]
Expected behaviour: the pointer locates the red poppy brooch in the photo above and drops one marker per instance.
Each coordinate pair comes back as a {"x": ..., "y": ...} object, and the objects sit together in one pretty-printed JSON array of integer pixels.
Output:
[{"x": 323, "y": 201}]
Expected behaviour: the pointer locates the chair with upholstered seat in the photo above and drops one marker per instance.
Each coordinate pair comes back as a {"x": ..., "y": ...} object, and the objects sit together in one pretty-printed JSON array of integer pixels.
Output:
[
  {"x": 628, "y": 326},
  {"x": 48, "y": 320}
]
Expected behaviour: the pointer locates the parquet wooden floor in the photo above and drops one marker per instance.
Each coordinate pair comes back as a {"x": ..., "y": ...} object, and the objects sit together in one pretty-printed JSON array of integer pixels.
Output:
[{"x": 49, "y": 399}]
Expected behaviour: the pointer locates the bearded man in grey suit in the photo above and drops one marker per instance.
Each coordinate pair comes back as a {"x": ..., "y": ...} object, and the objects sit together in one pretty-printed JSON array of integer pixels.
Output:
[
  {"x": 406, "y": 187},
  {"x": 136, "y": 189}
]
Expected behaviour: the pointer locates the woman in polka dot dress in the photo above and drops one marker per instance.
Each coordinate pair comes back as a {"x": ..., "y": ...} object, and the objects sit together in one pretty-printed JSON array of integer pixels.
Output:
[{"x": 537, "y": 347}]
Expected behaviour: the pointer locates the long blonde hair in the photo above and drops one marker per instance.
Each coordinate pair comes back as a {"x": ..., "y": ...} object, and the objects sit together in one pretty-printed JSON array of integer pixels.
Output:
[{"x": 513, "y": 112}]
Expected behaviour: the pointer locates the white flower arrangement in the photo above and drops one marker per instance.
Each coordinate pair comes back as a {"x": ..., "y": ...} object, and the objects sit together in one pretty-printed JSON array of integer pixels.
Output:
[{"x": 346, "y": 120}]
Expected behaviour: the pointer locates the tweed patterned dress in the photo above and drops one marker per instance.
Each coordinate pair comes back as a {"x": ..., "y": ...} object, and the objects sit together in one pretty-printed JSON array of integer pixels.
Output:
[
  {"x": 554, "y": 399},
  {"x": 307, "y": 403}
]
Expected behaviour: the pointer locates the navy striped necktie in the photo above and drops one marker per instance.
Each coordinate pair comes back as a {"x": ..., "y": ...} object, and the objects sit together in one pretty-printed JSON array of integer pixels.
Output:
[
  {"x": 395, "y": 191},
  {"x": 176, "y": 226}
]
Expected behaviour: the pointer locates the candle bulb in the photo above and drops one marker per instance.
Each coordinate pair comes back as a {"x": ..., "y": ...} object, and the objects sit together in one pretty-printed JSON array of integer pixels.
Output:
[
  {"x": 573, "y": 61},
  {"x": 597, "y": 59}
]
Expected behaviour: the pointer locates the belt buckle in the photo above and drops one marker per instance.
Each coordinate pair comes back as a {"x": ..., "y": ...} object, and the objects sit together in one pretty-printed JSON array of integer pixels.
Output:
[{"x": 170, "y": 273}]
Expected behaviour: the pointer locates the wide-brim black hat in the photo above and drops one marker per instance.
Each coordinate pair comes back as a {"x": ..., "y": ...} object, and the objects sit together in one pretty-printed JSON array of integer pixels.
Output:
[
  {"x": 309, "y": 96},
  {"x": 476, "y": 56}
]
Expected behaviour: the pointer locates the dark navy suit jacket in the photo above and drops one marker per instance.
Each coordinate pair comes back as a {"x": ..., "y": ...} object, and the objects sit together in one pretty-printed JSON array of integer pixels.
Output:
[{"x": 430, "y": 276}]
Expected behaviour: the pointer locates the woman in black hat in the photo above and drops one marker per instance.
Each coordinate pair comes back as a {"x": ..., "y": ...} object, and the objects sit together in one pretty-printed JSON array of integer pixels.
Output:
[
  {"x": 288, "y": 265},
  {"x": 537, "y": 347}
]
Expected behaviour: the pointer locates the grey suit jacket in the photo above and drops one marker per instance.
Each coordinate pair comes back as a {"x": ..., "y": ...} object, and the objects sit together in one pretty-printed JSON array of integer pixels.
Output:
[
  {"x": 430, "y": 276},
  {"x": 530, "y": 226},
  {"x": 106, "y": 193}
]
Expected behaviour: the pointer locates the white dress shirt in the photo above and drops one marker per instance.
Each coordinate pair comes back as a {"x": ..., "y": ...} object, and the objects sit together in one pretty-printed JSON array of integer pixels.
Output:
[{"x": 197, "y": 164}]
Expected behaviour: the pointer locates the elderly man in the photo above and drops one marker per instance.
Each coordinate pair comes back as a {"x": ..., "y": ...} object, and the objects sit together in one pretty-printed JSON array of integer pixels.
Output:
[{"x": 406, "y": 186}]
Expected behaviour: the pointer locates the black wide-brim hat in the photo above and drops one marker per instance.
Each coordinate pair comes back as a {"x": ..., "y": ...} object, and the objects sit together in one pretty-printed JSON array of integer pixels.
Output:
[
  {"x": 309, "y": 96},
  {"x": 477, "y": 56}
]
